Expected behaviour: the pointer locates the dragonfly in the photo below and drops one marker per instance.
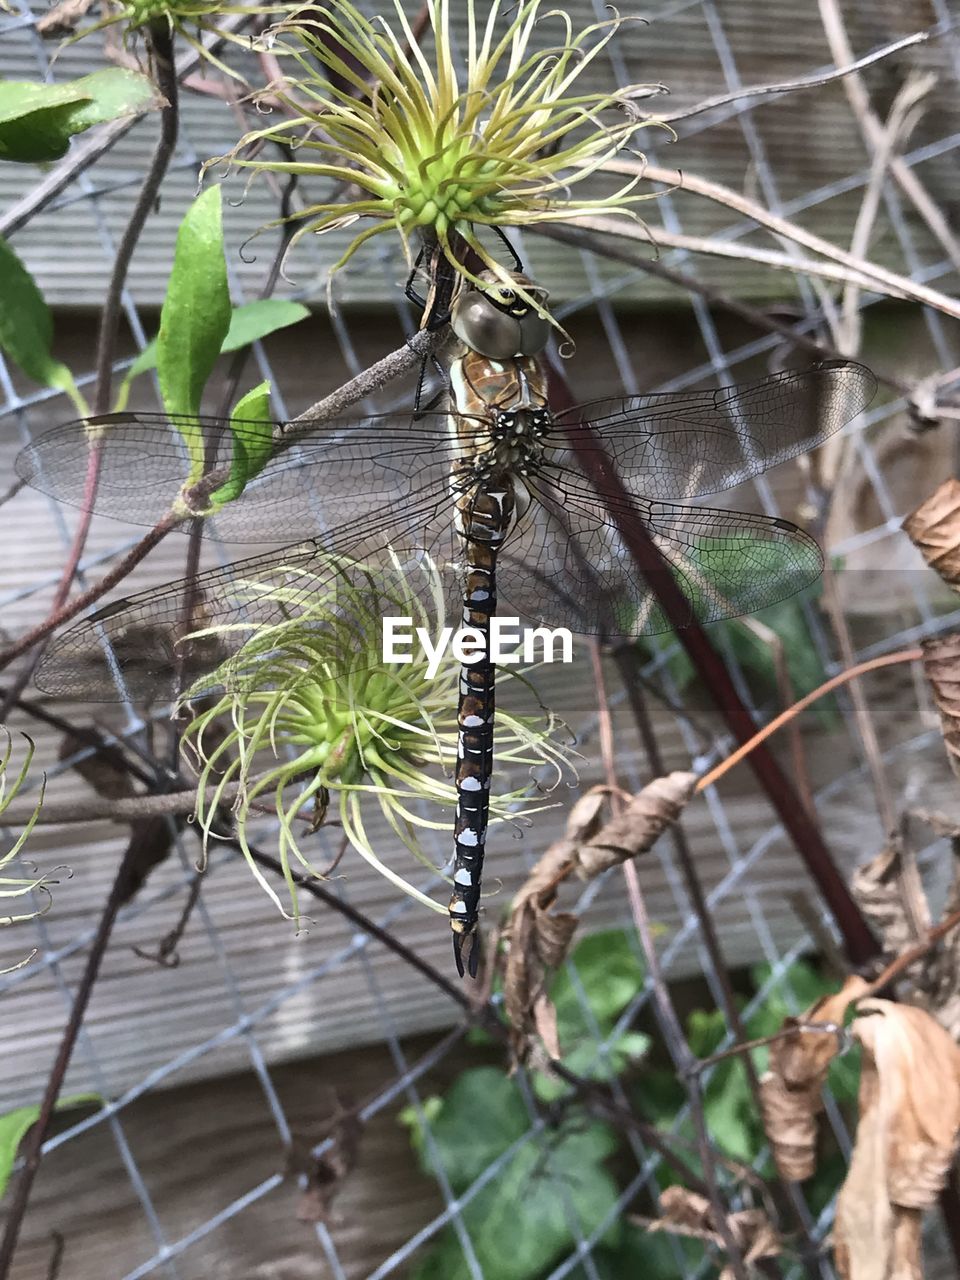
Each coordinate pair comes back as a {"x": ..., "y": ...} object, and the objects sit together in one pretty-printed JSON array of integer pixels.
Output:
[{"x": 521, "y": 505}]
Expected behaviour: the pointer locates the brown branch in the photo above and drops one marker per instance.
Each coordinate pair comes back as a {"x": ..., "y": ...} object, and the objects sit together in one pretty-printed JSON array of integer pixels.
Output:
[{"x": 758, "y": 738}]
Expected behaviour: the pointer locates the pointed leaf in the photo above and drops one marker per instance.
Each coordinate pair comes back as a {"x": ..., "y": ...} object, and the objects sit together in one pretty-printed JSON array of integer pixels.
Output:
[
  {"x": 248, "y": 323},
  {"x": 253, "y": 449},
  {"x": 196, "y": 313},
  {"x": 26, "y": 327},
  {"x": 37, "y": 121},
  {"x": 15, "y": 1125}
]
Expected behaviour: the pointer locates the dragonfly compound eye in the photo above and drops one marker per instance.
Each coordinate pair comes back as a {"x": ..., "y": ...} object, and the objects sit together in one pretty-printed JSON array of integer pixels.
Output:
[{"x": 479, "y": 322}]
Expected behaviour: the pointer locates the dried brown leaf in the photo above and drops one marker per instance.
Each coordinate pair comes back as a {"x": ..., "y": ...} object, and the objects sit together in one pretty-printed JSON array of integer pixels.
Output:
[
  {"x": 934, "y": 529},
  {"x": 790, "y": 1119},
  {"x": 687, "y": 1213},
  {"x": 537, "y": 937},
  {"x": 325, "y": 1173},
  {"x": 637, "y": 827},
  {"x": 64, "y": 18},
  {"x": 790, "y": 1098},
  {"x": 941, "y": 665},
  {"x": 906, "y": 1139},
  {"x": 890, "y": 894}
]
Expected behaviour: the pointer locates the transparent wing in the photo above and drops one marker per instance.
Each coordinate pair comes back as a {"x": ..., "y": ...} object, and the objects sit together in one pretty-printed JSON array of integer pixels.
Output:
[
  {"x": 567, "y": 565},
  {"x": 327, "y": 478},
  {"x": 145, "y": 646},
  {"x": 681, "y": 445}
]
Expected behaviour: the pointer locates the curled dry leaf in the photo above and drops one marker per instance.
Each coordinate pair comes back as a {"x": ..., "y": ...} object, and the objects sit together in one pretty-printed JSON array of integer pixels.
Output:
[
  {"x": 906, "y": 1139},
  {"x": 934, "y": 529},
  {"x": 325, "y": 1173},
  {"x": 64, "y": 18},
  {"x": 538, "y": 937},
  {"x": 686, "y": 1213},
  {"x": 890, "y": 894},
  {"x": 790, "y": 1090},
  {"x": 639, "y": 824},
  {"x": 941, "y": 666}
]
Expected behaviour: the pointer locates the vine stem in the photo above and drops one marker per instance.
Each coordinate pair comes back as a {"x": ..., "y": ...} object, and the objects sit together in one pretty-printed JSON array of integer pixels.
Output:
[
  {"x": 33, "y": 1144},
  {"x": 666, "y": 1015},
  {"x": 625, "y": 658},
  {"x": 92, "y": 594},
  {"x": 835, "y": 682}
]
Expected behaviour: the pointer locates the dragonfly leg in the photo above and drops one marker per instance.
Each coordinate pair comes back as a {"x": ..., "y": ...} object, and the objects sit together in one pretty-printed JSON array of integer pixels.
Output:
[
  {"x": 517, "y": 260},
  {"x": 409, "y": 292}
]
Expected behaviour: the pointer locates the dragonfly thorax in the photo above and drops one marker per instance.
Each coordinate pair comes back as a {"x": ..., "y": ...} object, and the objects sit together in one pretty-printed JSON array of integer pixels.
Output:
[{"x": 514, "y": 444}]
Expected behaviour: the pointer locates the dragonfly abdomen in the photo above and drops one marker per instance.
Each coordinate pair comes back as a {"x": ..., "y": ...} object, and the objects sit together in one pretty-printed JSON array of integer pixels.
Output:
[{"x": 483, "y": 520}]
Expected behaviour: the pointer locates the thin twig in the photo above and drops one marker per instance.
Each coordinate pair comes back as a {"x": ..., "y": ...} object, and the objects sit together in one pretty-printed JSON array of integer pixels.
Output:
[
  {"x": 916, "y": 952},
  {"x": 879, "y": 279},
  {"x": 883, "y": 979},
  {"x": 631, "y": 253},
  {"x": 812, "y": 81},
  {"x": 872, "y": 129},
  {"x": 166, "y": 953},
  {"x": 896, "y": 127},
  {"x": 86, "y": 598},
  {"x": 666, "y": 1015},
  {"x": 33, "y": 1143},
  {"x": 708, "y": 933},
  {"x": 866, "y": 728},
  {"x": 121, "y": 808},
  {"x": 852, "y": 673}
]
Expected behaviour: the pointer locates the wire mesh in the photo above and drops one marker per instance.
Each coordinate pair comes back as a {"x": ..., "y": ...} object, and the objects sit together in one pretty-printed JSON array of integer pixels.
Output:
[{"x": 258, "y": 1033}]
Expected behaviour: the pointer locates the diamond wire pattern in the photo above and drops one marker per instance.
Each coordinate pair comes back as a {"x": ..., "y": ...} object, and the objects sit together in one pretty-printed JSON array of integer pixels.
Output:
[{"x": 719, "y": 364}]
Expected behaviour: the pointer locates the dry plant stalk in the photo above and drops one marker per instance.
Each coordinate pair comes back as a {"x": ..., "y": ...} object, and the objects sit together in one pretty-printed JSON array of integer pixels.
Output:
[
  {"x": 934, "y": 529},
  {"x": 790, "y": 1098},
  {"x": 941, "y": 666},
  {"x": 890, "y": 894},
  {"x": 686, "y": 1213},
  {"x": 537, "y": 937},
  {"x": 906, "y": 1139}
]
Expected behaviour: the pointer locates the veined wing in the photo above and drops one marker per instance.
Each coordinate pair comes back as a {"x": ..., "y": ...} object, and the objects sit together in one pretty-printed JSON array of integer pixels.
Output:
[
  {"x": 145, "y": 646},
  {"x": 567, "y": 564},
  {"x": 327, "y": 478},
  {"x": 681, "y": 445}
]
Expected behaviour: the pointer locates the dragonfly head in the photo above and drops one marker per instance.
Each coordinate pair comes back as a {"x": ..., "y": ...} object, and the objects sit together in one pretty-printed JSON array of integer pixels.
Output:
[{"x": 497, "y": 322}]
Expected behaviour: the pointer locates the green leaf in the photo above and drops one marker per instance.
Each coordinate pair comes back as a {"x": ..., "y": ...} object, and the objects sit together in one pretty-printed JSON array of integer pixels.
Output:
[
  {"x": 252, "y": 429},
  {"x": 26, "y": 327},
  {"x": 730, "y": 1112},
  {"x": 587, "y": 1063},
  {"x": 195, "y": 315},
  {"x": 610, "y": 972},
  {"x": 248, "y": 323},
  {"x": 464, "y": 1145},
  {"x": 520, "y": 1223},
  {"x": 37, "y": 121},
  {"x": 650, "y": 1255},
  {"x": 15, "y": 1124}
]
